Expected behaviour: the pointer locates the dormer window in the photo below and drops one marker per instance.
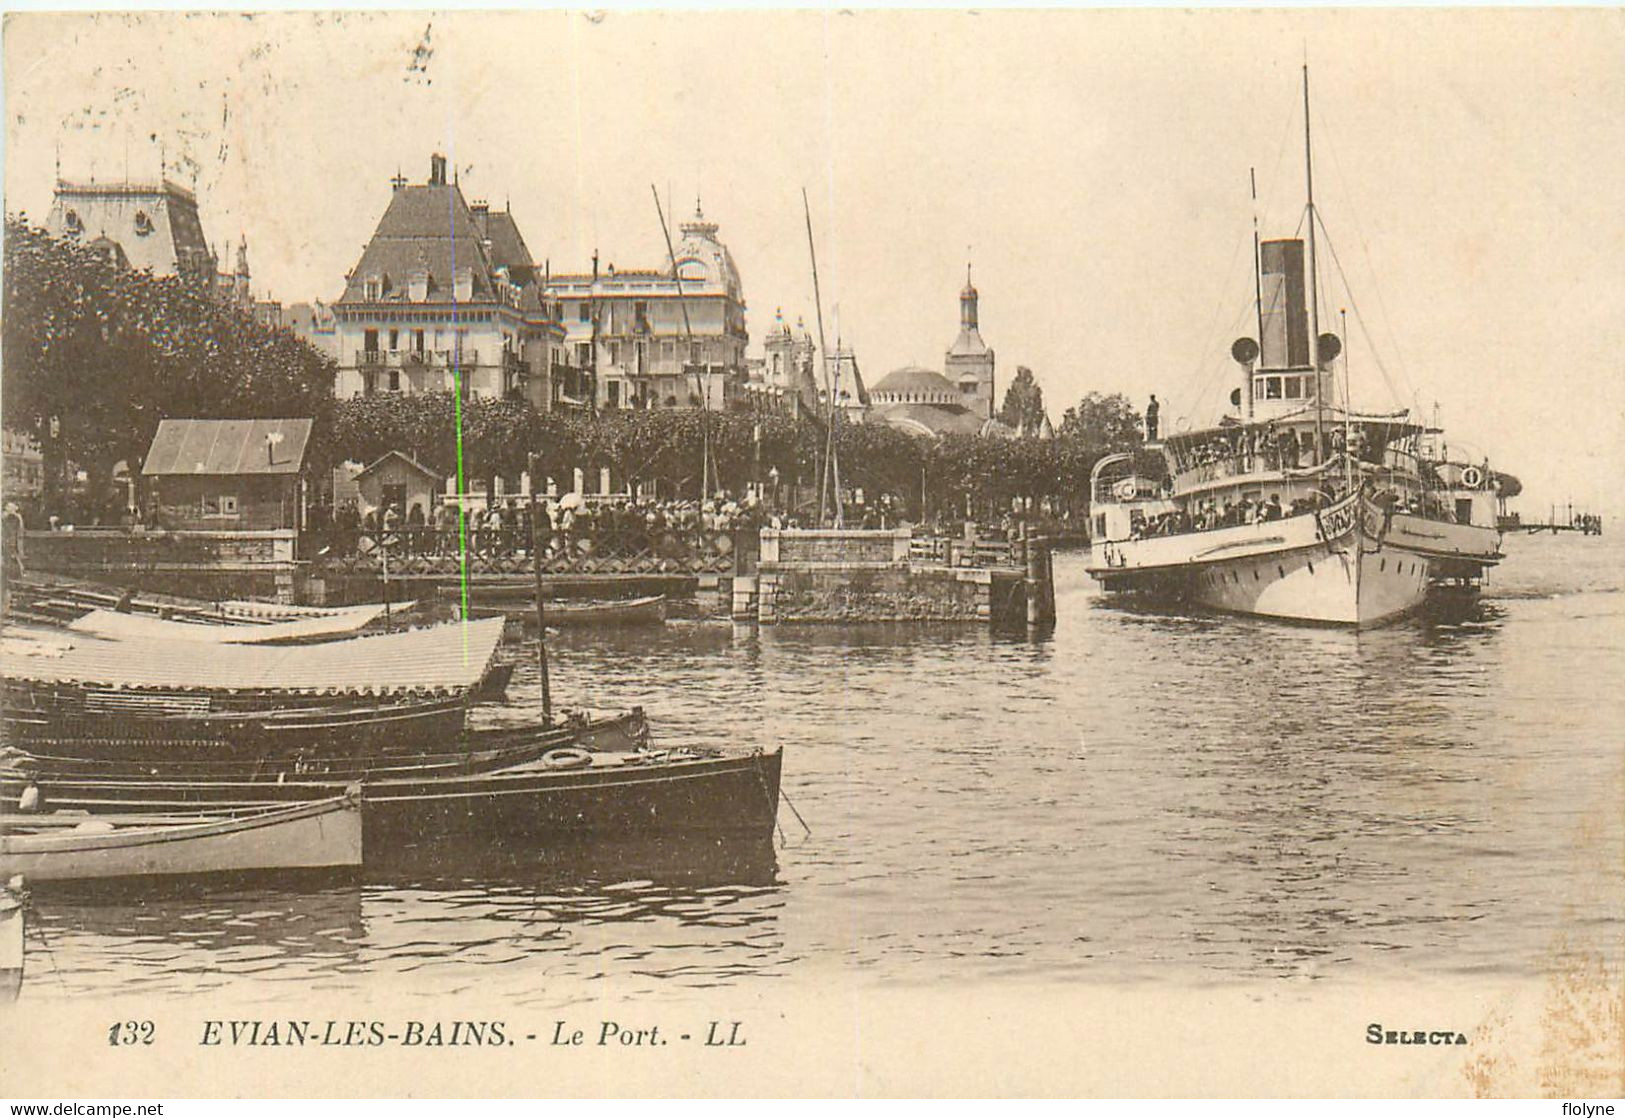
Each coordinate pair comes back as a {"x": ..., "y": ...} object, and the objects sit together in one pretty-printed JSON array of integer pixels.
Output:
[
  {"x": 73, "y": 224},
  {"x": 143, "y": 223},
  {"x": 374, "y": 288}
]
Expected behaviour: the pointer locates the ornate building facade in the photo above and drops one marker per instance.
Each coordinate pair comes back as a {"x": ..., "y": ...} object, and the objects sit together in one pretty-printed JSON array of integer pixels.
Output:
[
  {"x": 651, "y": 339},
  {"x": 445, "y": 298},
  {"x": 155, "y": 227}
]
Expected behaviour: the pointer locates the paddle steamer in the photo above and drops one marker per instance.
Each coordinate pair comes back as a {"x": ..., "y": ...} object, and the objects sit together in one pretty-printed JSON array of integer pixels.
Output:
[{"x": 1296, "y": 506}]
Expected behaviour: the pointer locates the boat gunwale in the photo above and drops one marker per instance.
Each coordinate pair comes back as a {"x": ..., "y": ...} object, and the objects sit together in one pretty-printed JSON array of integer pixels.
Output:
[{"x": 182, "y": 829}]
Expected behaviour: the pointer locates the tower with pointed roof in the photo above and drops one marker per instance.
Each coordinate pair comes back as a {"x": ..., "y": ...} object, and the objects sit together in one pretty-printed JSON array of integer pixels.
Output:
[{"x": 969, "y": 365}]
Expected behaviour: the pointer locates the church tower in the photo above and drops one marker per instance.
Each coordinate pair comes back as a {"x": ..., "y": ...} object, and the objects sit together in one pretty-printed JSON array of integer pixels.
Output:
[{"x": 969, "y": 364}]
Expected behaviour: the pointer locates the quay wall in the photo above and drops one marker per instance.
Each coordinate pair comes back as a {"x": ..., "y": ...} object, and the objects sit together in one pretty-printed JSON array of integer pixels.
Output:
[
  {"x": 850, "y": 576},
  {"x": 212, "y": 565}
]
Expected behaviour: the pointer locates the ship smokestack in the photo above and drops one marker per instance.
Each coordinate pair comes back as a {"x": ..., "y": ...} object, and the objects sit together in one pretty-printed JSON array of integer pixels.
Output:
[{"x": 1284, "y": 309}]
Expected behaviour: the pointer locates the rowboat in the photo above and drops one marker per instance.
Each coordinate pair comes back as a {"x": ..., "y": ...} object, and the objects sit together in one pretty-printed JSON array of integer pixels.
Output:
[
  {"x": 323, "y": 834},
  {"x": 318, "y": 741},
  {"x": 12, "y": 926},
  {"x": 135, "y": 718},
  {"x": 566, "y": 792},
  {"x": 649, "y": 610},
  {"x": 478, "y": 751},
  {"x": 61, "y": 601}
]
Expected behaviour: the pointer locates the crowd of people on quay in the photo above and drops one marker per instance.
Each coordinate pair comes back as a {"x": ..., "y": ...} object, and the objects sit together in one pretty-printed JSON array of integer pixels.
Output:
[{"x": 569, "y": 524}]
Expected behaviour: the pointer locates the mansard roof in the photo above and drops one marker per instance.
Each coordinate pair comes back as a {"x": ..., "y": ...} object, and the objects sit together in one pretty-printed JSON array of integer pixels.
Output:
[{"x": 431, "y": 228}]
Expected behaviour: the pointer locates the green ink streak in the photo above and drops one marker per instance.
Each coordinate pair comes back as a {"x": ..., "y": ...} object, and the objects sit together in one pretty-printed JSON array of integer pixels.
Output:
[{"x": 462, "y": 509}]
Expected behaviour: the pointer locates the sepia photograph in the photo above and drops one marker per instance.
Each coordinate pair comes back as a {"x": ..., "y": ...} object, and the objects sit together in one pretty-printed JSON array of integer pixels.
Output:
[{"x": 813, "y": 553}]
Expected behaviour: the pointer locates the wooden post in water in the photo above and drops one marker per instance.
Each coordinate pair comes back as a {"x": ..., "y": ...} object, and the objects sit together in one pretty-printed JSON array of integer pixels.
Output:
[
  {"x": 1035, "y": 574},
  {"x": 536, "y": 567},
  {"x": 383, "y": 558}
]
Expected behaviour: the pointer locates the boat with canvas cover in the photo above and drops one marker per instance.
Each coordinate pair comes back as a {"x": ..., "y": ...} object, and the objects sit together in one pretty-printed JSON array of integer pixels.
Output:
[
  {"x": 399, "y": 690},
  {"x": 448, "y": 659},
  {"x": 1299, "y": 506},
  {"x": 319, "y": 834}
]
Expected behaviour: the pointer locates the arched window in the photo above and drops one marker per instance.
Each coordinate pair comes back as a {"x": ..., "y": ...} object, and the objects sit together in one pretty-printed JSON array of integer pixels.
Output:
[
  {"x": 143, "y": 223},
  {"x": 74, "y": 225}
]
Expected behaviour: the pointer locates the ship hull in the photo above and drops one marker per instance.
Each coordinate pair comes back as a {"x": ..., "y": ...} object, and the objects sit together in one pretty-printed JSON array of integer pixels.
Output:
[
  {"x": 1352, "y": 565},
  {"x": 1329, "y": 588}
]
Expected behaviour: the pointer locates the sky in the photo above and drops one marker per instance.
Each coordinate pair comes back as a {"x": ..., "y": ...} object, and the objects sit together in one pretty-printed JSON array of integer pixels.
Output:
[{"x": 1092, "y": 168}]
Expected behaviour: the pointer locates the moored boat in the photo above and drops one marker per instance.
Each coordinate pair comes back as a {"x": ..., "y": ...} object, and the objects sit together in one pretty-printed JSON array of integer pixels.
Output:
[
  {"x": 348, "y": 747},
  {"x": 470, "y": 751},
  {"x": 394, "y": 691},
  {"x": 1296, "y": 506},
  {"x": 650, "y": 610},
  {"x": 567, "y": 792},
  {"x": 173, "y": 723},
  {"x": 13, "y": 926},
  {"x": 320, "y": 834}
]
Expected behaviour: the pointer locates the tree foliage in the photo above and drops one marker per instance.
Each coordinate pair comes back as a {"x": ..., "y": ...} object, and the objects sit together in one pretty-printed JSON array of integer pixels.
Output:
[
  {"x": 107, "y": 352},
  {"x": 1023, "y": 408},
  {"x": 665, "y": 448},
  {"x": 1109, "y": 423}
]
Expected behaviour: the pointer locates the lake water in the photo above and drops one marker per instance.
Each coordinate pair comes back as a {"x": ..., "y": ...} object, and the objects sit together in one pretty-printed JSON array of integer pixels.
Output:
[{"x": 1138, "y": 799}]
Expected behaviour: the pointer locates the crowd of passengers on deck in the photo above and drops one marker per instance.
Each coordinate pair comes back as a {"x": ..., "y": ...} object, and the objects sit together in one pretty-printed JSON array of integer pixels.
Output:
[
  {"x": 1243, "y": 449},
  {"x": 1211, "y": 514}
]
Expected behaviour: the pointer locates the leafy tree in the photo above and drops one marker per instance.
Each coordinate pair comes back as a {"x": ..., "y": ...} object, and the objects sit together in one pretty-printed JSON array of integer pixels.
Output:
[
  {"x": 1023, "y": 408},
  {"x": 1104, "y": 423},
  {"x": 96, "y": 354}
]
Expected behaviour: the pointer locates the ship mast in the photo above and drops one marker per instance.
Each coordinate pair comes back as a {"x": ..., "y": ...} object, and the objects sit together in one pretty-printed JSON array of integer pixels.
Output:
[
  {"x": 1314, "y": 277},
  {"x": 703, "y": 385},
  {"x": 831, "y": 479},
  {"x": 1258, "y": 285}
]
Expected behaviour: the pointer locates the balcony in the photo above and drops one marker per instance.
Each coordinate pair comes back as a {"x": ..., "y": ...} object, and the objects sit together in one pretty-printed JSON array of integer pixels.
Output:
[{"x": 416, "y": 359}]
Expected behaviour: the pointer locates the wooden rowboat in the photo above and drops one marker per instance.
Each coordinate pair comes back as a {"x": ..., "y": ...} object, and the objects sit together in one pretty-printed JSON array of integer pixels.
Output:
[
  {"x": 356, "y": 753},
  {"x": 650, "y": 610},
  {"x": 566, "y": 793},
  {"x": 12, "y": 926},
  {"x": 475, "y": 751},
  {"x": 324, "y": 834},
  {"x": 133, "y": 717}
]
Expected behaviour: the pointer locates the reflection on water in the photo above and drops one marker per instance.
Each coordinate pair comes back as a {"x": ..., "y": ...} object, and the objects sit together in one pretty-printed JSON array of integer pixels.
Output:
[{"x": 1140, "y": 797}]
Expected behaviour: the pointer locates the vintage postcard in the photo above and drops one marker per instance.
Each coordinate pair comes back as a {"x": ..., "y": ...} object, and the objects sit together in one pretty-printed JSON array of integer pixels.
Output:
[{"x": 813, "y": 553}]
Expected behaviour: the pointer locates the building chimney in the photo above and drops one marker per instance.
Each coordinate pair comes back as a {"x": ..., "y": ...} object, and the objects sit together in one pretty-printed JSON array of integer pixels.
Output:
[
  {"x": 437, "y": 170},
  {"x": 1283, "y": 307}
]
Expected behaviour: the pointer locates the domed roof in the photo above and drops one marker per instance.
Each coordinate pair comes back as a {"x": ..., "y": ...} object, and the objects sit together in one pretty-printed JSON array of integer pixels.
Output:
[
  {"x": 923, "y": 385},
  {"x": 702, "y": 258}
]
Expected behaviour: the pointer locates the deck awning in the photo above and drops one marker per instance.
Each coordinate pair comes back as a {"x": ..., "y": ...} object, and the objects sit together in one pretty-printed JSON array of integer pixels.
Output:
[{"x": 448, "y": 658}]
